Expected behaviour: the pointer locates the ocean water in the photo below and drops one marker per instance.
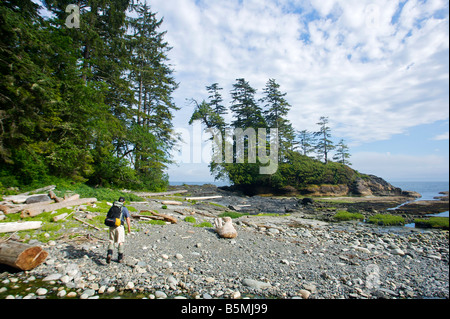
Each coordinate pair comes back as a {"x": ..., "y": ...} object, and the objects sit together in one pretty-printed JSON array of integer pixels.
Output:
[
  {"x": 217, "y": 183},
  {"x": 428, "y": 190}
]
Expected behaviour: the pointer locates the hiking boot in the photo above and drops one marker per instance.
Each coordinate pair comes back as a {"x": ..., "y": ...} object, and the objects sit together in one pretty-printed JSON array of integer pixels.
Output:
[
  {"x": 120, "y": 258},
  {"x": 109, "y": 256}
]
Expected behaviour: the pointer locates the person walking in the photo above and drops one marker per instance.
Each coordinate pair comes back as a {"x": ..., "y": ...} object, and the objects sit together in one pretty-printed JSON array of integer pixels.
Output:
[{"x": 117, "y": 233}]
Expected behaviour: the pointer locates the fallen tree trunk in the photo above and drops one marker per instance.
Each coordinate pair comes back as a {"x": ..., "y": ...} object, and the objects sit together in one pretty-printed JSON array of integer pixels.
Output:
[
  {"x": 87, "y": 224},
  {"x": 18, "y": 208},
  {"x": 164, "y": 217},
  {"x": 21, "y": 256},
  {"x": 59, "y": 217},
  {"x": 202, "y": 198},
  {"x": 16, "y": 226},
  {"x": 21, "y": 198},
  {"x": 171, "y": 202},
  {"x": 55, "y": 206}
]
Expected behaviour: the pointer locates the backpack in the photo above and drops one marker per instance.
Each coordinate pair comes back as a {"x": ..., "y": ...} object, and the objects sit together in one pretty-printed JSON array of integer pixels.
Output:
[{"x": 114, "y": 216}]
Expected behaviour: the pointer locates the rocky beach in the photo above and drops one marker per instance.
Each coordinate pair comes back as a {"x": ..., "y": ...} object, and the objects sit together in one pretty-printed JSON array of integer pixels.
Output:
[{"x": 285, "y": 249}]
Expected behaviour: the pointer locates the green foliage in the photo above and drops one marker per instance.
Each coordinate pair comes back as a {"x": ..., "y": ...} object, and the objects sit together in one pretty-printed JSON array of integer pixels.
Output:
[
  {"x": 204, "y": 224},
  {"x": 344, "y": 215},
  {"x": 101, "y": 193},
  {"x": 190, "y": 219},
  {"x": 232, "y": 214},
  {"x": 387, "y": 220},
  {"x": 432, "y": 222},
  {"x": 91, "y": 104}
]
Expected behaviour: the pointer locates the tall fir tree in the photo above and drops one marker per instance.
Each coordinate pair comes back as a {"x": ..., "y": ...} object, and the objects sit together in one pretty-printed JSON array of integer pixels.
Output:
[
  {"x": 275, "y": 112},
  {"x": 244, "y": 106},
  {"x": 342, "y": 153},
  {"x": 324, "y": 143},
  {"x": 153, "y": 82},
  {"x": 306, "y": 142}
]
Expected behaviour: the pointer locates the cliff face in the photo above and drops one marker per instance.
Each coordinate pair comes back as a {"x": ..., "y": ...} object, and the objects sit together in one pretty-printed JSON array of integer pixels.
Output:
[
  {"x": 374, "y": 185},
  {"x": 370, "y": 185}
]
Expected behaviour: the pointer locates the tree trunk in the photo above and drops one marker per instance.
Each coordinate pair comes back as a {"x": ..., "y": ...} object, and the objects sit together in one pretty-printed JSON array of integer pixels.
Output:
[
  {"x": 51, "y": 207},
  {"x": 21, "y": 256}
]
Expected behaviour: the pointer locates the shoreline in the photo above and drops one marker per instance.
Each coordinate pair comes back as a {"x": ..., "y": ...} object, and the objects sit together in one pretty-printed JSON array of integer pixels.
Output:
[{"x": 284, "y": 256}]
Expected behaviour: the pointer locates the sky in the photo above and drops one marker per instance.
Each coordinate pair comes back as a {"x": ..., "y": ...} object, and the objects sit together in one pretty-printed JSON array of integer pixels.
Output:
[{"x": 379, "y": 70}]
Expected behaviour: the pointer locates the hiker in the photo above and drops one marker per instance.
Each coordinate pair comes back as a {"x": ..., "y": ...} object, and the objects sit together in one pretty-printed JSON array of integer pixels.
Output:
[{"x": 115, "y": 219}]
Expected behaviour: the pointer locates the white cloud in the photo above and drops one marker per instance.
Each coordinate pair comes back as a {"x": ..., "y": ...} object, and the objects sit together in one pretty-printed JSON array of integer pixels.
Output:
[
  {"x": 371, "y": 77},
  {"x": 375, "y": 69},
  {"x": 440, "y": 137}
]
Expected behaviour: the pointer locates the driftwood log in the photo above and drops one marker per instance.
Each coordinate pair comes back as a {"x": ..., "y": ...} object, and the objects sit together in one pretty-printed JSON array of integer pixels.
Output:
[
  {"x": 225, "y": 228},
  {"x": 159, "y": 216},
  {"x": 16, "y": 226},
  {"x": 21, "y": 256},
  {"x": 171, "y": 202},
  {"x": 86, "y": 223},
  {"x": 36, "y": 210},
  {"x": 203, "y": 197}
]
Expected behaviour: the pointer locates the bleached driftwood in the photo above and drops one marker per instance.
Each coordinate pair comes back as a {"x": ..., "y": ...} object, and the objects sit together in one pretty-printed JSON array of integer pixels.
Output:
[
  {"x": 18, "y": 208},
  {"x": 21, "y": 198},
  {"x": 171, "y": 202},
  {"x": 60, "y": 217},
  {"x": 203, "y": 197},
  {"x": 164, "y": 217},
  {"x": 225, "y": 228},
  {"x": 30, "y": 212},
  {"x": 85, "y": 223},
  {"x": 16, "y": 226}
]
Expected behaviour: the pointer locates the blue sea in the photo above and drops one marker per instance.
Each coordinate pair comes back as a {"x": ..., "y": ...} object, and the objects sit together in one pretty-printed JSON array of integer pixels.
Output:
[
  {"x": 217, "y": 183},
  {"x": 428, "y": 190}
]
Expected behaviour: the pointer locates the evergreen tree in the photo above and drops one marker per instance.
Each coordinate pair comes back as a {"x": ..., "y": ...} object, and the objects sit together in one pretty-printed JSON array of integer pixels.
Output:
[
  {"x": 45, "y": 110},
  {"x": 276, "y": 111},
  {"x": 154, "y": 84},
  {"x": 306, "y": 142},
  {"x": 210, "y": 113},
  {"x": 68, "y": 95},
  {"x": 246, "y": 111},
  {"x": 342, "y": 153},
  {"x": 324, "y": 144},
  {"x": 215, "y": 102}
]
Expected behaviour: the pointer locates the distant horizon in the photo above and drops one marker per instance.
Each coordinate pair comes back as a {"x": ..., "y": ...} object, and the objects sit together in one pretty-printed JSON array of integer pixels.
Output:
[{"x": 390, "y": 182}]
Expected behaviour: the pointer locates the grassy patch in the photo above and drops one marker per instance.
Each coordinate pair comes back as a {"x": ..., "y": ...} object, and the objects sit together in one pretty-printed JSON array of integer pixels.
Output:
[
  {"x": 204, "y": 224},
  {"x": 344, "y": 215},
  {"x": 102, "y": 194},
  {"x": 432, "y": 222},
  {"x": 190, "y": 219},
  {"x": 387, "y": 220},
  {"x": 232, "y": 214}
]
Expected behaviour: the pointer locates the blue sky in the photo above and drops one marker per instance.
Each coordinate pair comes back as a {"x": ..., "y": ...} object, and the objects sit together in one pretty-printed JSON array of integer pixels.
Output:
[{"x": 378, "y": 69}]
